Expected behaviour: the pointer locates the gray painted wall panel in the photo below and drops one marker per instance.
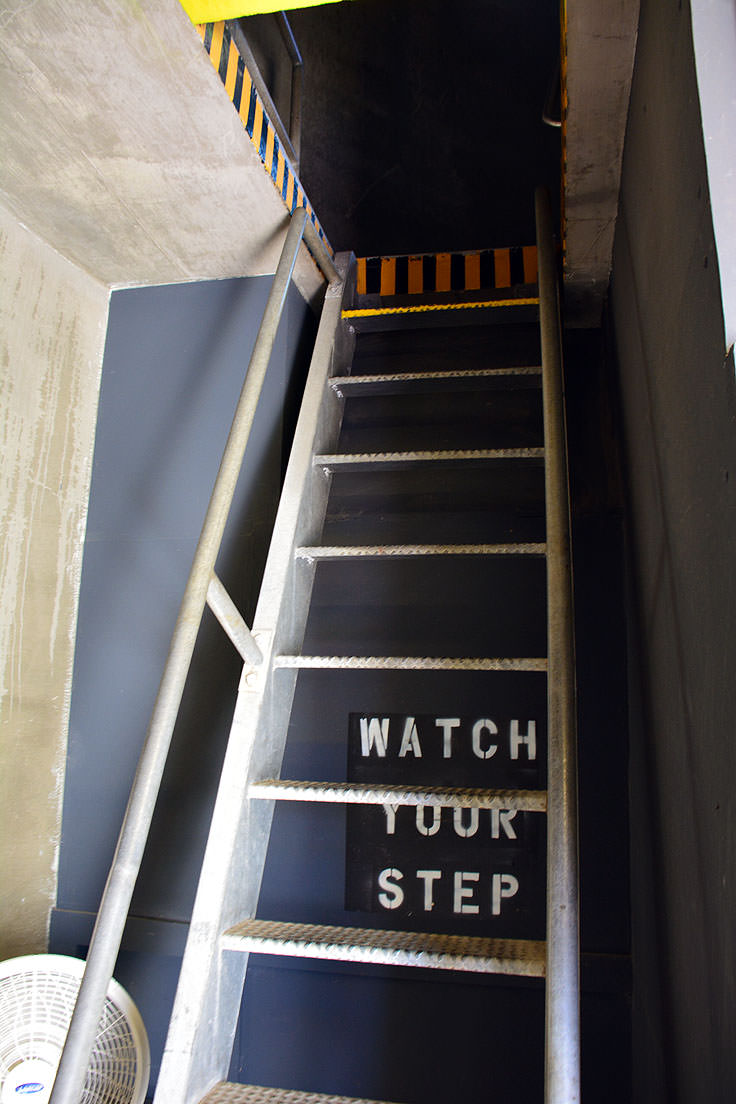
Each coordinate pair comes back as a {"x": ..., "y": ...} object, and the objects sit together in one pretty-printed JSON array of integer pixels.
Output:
[{"x": 174, "y": 363}]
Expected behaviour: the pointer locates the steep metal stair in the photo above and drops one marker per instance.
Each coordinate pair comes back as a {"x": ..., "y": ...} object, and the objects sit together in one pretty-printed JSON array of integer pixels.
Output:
[
  {"x": 401, "y": 490},
  {"x": 419, "y": 568}
]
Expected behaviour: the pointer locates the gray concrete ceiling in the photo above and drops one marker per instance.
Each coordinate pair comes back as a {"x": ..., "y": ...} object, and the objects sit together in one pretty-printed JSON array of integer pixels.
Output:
[{"x": 120, "y": 148}]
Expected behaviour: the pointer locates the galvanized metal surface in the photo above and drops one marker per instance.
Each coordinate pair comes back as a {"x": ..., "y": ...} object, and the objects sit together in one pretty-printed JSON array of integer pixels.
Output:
[
  {"x": 562, "y": 1078},
  {"x": 228, "y": 1093},
  {"x": 204, "y": 1018},
  {"x": 297, "y": 73},
  {"x": 341, "y": 461},
  {"x": 348, "y": 383},
  {"x": 397, "y": 551},
  {"x": 533, "y": 801},
  {"x": 406, "y": 663},
  {"x": 134, "y": 832},
  {"x": 228, "y": 615},
  {"x": 317, "y": 248},
  {"x": 285, "y": 138},
  {"x": 389, "y": 948}
]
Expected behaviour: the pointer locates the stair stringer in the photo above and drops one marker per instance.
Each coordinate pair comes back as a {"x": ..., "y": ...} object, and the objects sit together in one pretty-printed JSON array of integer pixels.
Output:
[{"x": 207, "y": 1003}]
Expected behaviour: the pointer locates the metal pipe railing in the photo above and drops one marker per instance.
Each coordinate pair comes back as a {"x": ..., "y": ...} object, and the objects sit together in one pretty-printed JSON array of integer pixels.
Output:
[
  {"x": 297, "y": 71},
  {"x": 285, "y": 136},
  {"x": 562, "y": 1073},
  {"x": 228, "y": 614},
  {"x": 113, "y": 911}
]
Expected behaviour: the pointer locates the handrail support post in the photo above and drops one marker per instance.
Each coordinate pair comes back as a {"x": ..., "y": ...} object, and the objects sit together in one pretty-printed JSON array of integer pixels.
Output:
[{"x": 562, "y": 1049}]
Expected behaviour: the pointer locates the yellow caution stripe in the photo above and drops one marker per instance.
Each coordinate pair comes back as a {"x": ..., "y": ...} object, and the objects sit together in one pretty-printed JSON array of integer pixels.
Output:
[
  {"x": 417, "y": 308},
  {"x": 429, "y": 273},
  {"x": 226, "y": 59}
]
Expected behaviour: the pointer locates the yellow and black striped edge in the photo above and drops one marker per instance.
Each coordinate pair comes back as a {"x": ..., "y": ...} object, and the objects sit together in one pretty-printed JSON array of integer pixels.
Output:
[
  {"x": 490, "y": 270},
  {"x": 226, "y": 59},
  {"x": 423, "y": 308}
]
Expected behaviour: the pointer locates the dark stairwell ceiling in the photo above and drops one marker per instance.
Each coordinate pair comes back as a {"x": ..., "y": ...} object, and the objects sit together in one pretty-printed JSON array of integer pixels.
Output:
[{"x": 422, "y": 120}]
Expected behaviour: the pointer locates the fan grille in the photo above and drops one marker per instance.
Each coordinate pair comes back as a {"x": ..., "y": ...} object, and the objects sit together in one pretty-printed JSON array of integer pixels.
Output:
[{"x": 37, "y": 996}]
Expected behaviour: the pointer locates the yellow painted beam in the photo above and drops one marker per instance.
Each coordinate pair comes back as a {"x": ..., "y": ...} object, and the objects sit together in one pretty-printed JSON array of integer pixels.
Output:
[
  {"x": 212, "y": 11},
  {"x": 374, "y": 312}
]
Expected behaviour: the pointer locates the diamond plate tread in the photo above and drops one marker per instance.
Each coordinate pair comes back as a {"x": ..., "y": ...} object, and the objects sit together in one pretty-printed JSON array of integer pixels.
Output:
[
  {"x": 226, "y": 1092},
  {"x": 406, "y": 663},
  {"x": 358, "y": 551},
  {"x": 337, "y": 461},
  {"x": 427, "y": 950},
  {"x": 340, "y": 383},
  {"x": 534, "y": 801}
]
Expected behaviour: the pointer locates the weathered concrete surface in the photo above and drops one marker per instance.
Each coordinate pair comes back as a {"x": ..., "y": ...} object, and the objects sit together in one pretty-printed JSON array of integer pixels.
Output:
[
  {"x": 601, "y": 40},
  {"x": 52, "y": 331},
  {"x": 119, "y": 146},
  {"x": 678, "y": 400}
]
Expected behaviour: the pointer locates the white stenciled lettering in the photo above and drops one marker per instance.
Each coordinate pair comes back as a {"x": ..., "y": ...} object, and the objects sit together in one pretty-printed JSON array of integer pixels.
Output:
[
  {"x": 461, "y": 891},
  {"x": 429, "y": 877},
  {"x": 502, "y": 886},
  {"x": 390, "y": 811},
  {"x": 447, "y": 724},
  {"x": 501, "y": 818},
  {"x": 410, "y": 739},
  {"x": 478, "y": 729},
  {"x": 393, "y": 895},
  {"x": 373, "y": 733},
  {"x": 422, "y": 826},
  {"x": 516, "y": 739},
  {"x": 461, "y": 829}
]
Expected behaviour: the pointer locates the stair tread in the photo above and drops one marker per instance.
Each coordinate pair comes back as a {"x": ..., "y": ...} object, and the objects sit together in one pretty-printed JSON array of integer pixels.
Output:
[
  {"x": 473, "y": 381},
  {"x": 450, "y": 374},
  {"x": 336, "y": 551},
  {"x": 342, "y": 460},
  {"x": 380, "y": 794},
  {"x": 229, "y": 1092},
  {"x": 427, "y": 950},
  {"x": 410, "y": 663}
]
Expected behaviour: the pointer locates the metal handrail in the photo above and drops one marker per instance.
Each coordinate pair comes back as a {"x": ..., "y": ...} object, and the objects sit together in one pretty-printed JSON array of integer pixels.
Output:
[
  {"x": 297, "y": 71},
  {"x": 562, "y": 1072},
  {"x": 290, "y": 139},
  {"x": 202, "y": 587}
]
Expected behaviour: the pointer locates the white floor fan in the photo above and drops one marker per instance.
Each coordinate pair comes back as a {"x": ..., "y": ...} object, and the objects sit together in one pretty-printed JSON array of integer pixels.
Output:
[{"x": 37, "y": 996}]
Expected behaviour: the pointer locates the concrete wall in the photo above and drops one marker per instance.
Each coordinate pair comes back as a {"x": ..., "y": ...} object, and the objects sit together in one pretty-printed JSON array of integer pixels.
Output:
[
  {"x": 52, "y": 331},
  {"x": 678, "y": 404},
  {"x": 121, "y": 147}
]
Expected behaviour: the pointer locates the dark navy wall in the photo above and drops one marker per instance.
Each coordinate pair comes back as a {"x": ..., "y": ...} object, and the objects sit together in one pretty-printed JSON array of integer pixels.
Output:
[
  {"x": 174, "y": 363},
  {"x": 678, "y": 402}
]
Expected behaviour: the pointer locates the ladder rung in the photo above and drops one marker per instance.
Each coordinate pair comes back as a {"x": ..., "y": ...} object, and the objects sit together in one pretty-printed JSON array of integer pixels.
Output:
[
  {"x": 389, "y": 948},
  {"x": 345, "y": 383},
  {"x": 407, "y": 663},
  {"x": 339, "y": 461},
  {"x": 227, "y": 1092},
  {"x": 533, "y": 801},
  {"x": 396, "y": 551}
]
